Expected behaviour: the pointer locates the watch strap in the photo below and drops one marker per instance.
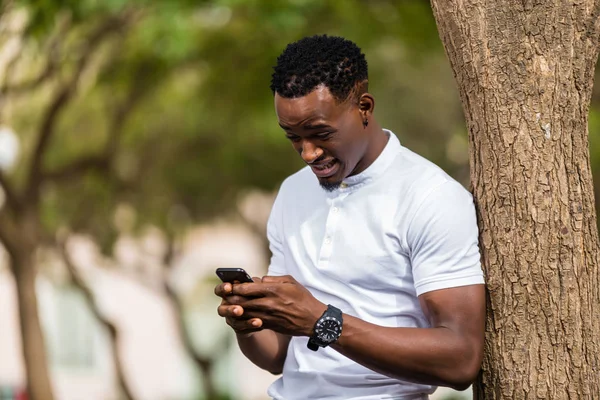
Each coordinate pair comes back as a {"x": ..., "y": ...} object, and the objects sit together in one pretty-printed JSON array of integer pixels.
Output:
[
  {"x": 334, "y": 312},
  {"x": 312, "y": 345}
]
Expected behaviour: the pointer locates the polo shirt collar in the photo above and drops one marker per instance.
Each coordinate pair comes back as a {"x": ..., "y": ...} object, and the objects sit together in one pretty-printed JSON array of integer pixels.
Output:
[{"x": 377, "y": 168}]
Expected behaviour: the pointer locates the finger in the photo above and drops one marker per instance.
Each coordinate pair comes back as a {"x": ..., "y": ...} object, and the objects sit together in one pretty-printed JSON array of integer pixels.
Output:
[
  {"x": 256, "y": 279},
  {"x": 250, "y": 289},
  {"x": 223, "y": 289},
  {"x": 245, "y": 326},
  {"x": 278, "y": 279},
  {"x": 255, "y": 322},
  {"x": 230, "y": 311},
  {"x": 257, "y": 305},
  {"x": 233, "y": 299}
]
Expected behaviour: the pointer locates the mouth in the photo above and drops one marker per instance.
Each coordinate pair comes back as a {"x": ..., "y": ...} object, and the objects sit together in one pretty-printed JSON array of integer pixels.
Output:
[{"x": 325, "y": 169}]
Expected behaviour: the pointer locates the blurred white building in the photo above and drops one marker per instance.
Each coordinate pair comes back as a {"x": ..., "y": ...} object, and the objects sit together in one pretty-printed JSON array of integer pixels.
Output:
[{"x": 155, "y": 362}]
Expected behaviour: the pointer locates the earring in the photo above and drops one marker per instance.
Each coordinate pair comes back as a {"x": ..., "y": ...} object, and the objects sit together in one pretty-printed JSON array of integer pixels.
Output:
[{"x": 365, "y": 123}]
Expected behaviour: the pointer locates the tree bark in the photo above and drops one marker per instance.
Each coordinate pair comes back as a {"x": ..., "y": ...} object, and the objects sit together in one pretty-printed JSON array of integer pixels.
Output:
[
  {"x": 34, "y": 349},
  {"x": 525, "y": 72}
]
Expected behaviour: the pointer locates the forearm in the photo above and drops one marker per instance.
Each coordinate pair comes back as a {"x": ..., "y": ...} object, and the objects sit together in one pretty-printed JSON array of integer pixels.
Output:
[
  {"x": 266, "y": 349},
  {"x": 436, "y": 356}
]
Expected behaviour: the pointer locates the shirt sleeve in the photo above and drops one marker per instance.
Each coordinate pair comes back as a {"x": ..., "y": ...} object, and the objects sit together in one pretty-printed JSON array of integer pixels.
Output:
[
  {"x": 443, "y": 240},
  {"x": 274, "y": 229}
]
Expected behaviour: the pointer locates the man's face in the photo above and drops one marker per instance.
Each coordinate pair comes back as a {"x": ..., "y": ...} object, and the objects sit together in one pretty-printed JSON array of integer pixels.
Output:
[{"x": 329, "y": 137}]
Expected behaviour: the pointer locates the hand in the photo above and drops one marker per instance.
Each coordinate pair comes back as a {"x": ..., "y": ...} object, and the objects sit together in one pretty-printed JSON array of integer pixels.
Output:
[
  {"x": 280, "y": 303},
  {"x": 233, "y": 313}
]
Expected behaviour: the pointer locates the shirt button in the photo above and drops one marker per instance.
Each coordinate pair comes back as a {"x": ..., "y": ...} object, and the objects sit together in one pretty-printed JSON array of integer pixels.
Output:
[
  {"x": 335, "y": 209},
  {"x": 327, "y": 240},
  {"x": 343, "y": 185}
]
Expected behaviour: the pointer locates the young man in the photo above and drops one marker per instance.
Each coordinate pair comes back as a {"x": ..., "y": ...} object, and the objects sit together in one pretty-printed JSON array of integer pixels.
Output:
[{"x": 375, "y": 289}]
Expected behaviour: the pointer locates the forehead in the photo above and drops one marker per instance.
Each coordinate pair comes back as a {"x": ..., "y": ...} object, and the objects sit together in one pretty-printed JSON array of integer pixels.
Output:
[{"x": 318, "y": 104}]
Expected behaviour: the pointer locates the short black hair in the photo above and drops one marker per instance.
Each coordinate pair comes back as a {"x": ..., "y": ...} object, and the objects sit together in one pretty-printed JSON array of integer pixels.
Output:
[{"x": 317, "y": 60}]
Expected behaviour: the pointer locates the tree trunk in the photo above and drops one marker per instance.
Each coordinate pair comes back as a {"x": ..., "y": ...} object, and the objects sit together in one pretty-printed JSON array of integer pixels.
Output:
[
  {"x": 34, "y": 349},
  {"x": 525, "y": 72}
]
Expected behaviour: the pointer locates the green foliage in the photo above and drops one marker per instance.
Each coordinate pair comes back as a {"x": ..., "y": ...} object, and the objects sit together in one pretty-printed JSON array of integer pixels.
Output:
[
  {"x": 594, "y": 137},
  {"x": 201, "y": 129},
  {"x": 191, "y": 80}
]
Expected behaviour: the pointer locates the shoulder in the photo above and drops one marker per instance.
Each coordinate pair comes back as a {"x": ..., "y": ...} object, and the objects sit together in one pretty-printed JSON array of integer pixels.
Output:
[
  {"x": 440, "y": 206},
  {"x": 419, "y": 181}
]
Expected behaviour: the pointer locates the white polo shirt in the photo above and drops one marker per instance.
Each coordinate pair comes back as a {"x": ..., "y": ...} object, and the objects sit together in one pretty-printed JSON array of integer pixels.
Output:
[{"x": 401, "y": 228}]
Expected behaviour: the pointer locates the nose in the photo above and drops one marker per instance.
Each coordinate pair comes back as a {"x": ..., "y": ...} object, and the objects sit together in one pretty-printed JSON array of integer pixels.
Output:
[{"x": 309, "y": 152}]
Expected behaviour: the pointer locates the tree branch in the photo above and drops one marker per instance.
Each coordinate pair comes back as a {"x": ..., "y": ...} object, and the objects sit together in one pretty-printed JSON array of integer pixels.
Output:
[
  {"x": 46, "y": 131},
  {"x": 10, "y": 65},
  {"x": 204, "y": 364},
  {"x": 32, "y": 84},
  {"x": 52, "y": 49},
  {"x": 65, "y": 94},
  {"x": 90, "y": 298},
  {"x": 101, "y": 162},
  {"x": 12, "y": 198},
  {"x": 75, "y": 169},
  {"x": 121, "y": 113},
  {"x": 5, "y": 237}
]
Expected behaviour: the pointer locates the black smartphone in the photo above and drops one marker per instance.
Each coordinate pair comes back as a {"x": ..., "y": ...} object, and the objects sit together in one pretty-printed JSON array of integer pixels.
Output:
[{"x": 233, "y": 274}]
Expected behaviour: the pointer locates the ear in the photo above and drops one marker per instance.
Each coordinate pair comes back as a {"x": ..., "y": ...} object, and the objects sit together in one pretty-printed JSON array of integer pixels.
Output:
[{"x": 366, "y": 105}]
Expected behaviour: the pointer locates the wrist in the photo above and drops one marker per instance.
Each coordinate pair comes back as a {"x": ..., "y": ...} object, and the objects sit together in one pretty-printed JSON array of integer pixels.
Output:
[
  {"x": 244, "y": 335},
  {"x": 316, "y": 313}
]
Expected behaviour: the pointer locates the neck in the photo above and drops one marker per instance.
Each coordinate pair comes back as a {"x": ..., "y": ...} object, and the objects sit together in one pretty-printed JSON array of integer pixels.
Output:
[
  {"x": 376, "y": 146},
  {"x": 380, "y": 138}
]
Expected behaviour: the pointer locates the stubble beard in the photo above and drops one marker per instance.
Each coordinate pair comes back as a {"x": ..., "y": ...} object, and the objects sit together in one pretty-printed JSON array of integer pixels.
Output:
[{"x": 330, "y": 186}]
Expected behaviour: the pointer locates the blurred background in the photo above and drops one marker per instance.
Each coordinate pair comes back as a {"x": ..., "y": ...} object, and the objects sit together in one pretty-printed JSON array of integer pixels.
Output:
[{"x": 139, "y": 151}]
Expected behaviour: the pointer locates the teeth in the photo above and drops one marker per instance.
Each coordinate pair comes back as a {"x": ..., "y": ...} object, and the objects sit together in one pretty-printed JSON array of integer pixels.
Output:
[{"x": 321, "y": 168}]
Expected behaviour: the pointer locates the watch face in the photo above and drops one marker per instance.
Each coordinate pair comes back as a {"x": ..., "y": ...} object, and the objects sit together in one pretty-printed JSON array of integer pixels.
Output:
[{"x": 328, "y": 329}]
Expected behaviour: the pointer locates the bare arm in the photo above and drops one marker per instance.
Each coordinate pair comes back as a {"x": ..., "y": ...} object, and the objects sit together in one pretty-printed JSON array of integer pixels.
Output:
[
  {"x": 447, "y": 354},
  {"x": 267, "y": 349}
]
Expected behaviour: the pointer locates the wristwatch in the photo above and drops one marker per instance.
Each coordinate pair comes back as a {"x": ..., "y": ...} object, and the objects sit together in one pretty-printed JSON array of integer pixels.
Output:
[{"x": 327, "y": 329}]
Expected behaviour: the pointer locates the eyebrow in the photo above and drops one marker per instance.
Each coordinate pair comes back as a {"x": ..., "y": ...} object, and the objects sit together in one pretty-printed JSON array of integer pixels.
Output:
[
  {"x": 308, "y": 126},
  {"x": 316, "y": 126}
]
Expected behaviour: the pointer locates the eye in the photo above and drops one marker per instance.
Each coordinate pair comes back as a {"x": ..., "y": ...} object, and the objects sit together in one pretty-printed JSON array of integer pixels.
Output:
[
  {"x": 293, "y": 138},
  {"x": 323, "y": 136}
]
